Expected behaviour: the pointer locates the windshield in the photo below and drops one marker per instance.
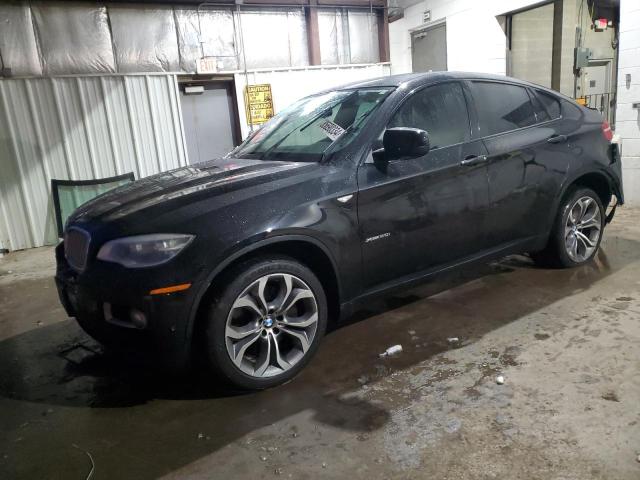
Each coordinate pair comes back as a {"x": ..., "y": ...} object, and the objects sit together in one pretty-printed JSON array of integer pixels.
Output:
[{"x": 305, "y": 130}]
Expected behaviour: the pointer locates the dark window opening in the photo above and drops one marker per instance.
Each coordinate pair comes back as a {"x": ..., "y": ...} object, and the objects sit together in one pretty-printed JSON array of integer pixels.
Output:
[
  {"x": 440, "y": 110},
  {"x": 550, "y": 103},
  {"x": 503, "y": 107}
]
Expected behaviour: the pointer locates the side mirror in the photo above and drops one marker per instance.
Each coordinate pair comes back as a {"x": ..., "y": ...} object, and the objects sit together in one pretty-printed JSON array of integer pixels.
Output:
[{"x": 405, "y": 142}]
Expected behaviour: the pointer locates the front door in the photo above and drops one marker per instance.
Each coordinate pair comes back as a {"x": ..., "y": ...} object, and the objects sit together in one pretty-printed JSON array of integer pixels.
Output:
[{"x": 418, "y": 214}]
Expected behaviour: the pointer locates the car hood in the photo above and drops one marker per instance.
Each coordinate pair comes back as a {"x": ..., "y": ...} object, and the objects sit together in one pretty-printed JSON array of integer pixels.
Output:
[{"x": 204, "y": 179}]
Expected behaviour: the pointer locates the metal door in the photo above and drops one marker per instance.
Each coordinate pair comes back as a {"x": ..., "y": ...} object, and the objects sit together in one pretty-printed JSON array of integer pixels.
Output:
[
  {"x": 208, "y": 122},
  {"x": 531, "y": 45},
  {"x": 596, "y": 81},
  {"x": 596, "y": 78},
  {"x": 429, "y": 49}
]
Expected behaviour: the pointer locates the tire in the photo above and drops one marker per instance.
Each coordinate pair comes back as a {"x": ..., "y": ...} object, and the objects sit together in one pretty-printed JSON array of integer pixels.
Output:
[
  {"x": 287, "y": 336},
  {"x": 560, "y": 252}
]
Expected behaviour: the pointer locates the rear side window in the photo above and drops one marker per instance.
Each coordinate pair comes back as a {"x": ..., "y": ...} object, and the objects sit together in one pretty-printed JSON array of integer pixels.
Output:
[
  {"x": 550, "y": 103},
  {"x": 503, "y": 107},
  {"x": 541, "y": 111},
  {"x": 441, "y": 110}
]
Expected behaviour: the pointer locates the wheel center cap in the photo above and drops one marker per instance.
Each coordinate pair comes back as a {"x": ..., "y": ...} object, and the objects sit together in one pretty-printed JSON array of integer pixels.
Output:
[{"x": 268, "y": 322}]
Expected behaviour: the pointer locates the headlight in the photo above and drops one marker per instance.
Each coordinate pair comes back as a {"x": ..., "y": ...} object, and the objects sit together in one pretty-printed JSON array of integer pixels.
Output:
[{"x": 144, "y": 250}]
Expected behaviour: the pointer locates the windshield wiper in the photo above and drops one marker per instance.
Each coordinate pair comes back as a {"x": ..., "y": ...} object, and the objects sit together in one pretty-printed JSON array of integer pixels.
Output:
[
  {"x": 277, "y": 144},
  {"x": 356, "y": 124}
]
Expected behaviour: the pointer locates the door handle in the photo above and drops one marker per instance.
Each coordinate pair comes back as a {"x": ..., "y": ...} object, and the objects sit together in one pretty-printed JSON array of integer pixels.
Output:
[
  {"x": 557, "y": 139},
  {"x": 473, "y": 160}
]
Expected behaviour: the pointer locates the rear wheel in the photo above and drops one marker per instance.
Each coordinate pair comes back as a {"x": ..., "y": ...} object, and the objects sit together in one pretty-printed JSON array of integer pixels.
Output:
[
  {"x": 577, "y": 230},
  {"x": 267, "y": 323}
]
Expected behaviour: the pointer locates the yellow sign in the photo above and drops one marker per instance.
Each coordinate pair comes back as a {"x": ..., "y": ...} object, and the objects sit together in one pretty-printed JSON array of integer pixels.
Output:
[{"x": 258, "y": 103}]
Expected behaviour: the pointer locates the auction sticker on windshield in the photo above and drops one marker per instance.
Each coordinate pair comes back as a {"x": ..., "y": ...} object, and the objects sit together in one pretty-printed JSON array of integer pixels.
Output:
[{"x": 331, "y": 130}]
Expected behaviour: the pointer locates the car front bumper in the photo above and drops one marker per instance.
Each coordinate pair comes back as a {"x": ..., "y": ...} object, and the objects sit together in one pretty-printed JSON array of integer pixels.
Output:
[{"x": 118, "y": 315}]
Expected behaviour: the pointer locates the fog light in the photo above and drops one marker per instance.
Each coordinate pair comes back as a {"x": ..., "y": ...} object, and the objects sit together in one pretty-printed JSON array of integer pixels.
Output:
[
  {"x": 124, "y": 316},
  {"x": 138, "y": 319}
]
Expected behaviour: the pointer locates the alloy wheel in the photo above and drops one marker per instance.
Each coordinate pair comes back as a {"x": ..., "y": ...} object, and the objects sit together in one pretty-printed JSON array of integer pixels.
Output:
[
  {"x": 582, "y": 229},
  {"x": 271, "y": 325}
]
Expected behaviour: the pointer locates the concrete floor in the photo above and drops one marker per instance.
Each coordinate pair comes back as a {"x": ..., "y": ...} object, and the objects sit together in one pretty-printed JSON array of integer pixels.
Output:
[{"x": 566, "y": 341}]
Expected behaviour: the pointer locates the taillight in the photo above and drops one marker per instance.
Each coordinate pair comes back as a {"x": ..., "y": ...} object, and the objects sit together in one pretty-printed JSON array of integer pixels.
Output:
[{"x": 606, "y": 131}]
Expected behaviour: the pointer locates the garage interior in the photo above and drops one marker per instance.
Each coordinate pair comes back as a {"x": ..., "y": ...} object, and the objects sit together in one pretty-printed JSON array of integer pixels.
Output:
[
  {"x": 96, "y": 90},
  {"x": 557, "y": 45}
]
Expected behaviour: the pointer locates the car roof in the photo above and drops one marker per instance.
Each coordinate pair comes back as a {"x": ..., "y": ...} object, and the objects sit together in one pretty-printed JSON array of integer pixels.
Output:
[{"x": 412, "y": 80}]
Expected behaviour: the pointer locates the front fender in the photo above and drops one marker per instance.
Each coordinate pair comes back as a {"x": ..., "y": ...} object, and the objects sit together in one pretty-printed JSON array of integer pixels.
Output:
[{"x": 246, "y": 248}]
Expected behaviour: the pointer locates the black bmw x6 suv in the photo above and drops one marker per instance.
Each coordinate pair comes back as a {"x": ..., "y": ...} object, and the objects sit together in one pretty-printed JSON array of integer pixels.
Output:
[{"x": 344, "y": 195}]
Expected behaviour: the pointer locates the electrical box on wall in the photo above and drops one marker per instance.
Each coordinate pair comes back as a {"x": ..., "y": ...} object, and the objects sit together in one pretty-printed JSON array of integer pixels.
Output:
[{"x": 582, "y": 55}]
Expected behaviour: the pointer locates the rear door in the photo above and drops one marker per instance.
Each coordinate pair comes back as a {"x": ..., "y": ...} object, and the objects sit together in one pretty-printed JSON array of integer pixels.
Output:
[
  {"x": 417, "y": 214},
  {"x": 528, "y": 159}
]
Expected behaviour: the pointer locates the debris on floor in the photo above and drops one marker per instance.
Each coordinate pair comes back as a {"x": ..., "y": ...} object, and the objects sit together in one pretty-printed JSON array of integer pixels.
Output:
[
  {"x": 453, "y": 339},
  {"x": 453, "y": 425},
  {"x": 499, "y": 379},
  {"x": 93, "y": 465},
  {"x": 611, "y": 396},
  {"x": 78, "y": 353},
  {"x": 391, "y": 351}
]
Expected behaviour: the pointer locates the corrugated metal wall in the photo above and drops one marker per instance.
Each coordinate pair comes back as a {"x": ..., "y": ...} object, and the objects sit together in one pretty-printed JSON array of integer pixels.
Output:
[
  {"x": 79, "y": 128},
  {"x": 65, "y": 38}
]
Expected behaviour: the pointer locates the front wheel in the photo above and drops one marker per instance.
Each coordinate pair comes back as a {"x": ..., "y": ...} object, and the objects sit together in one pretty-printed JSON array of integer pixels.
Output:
[
  {"x": 267, "y": 323},
  {"x": 577, "y": 230}
]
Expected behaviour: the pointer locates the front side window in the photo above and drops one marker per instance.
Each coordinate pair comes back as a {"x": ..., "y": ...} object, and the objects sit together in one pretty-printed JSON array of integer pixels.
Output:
[
  {"x": 440, "y": 110},
  {"x": 305, "y": 130},
  {"x": 503, "y": 107}
]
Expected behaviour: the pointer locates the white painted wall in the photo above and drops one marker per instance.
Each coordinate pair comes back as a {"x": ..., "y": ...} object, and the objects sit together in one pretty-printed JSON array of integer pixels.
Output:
[
  {"x": 291, "y": 84},
  {"x": 628, "y": 119},
  {"x": 475, "y": 39}
]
